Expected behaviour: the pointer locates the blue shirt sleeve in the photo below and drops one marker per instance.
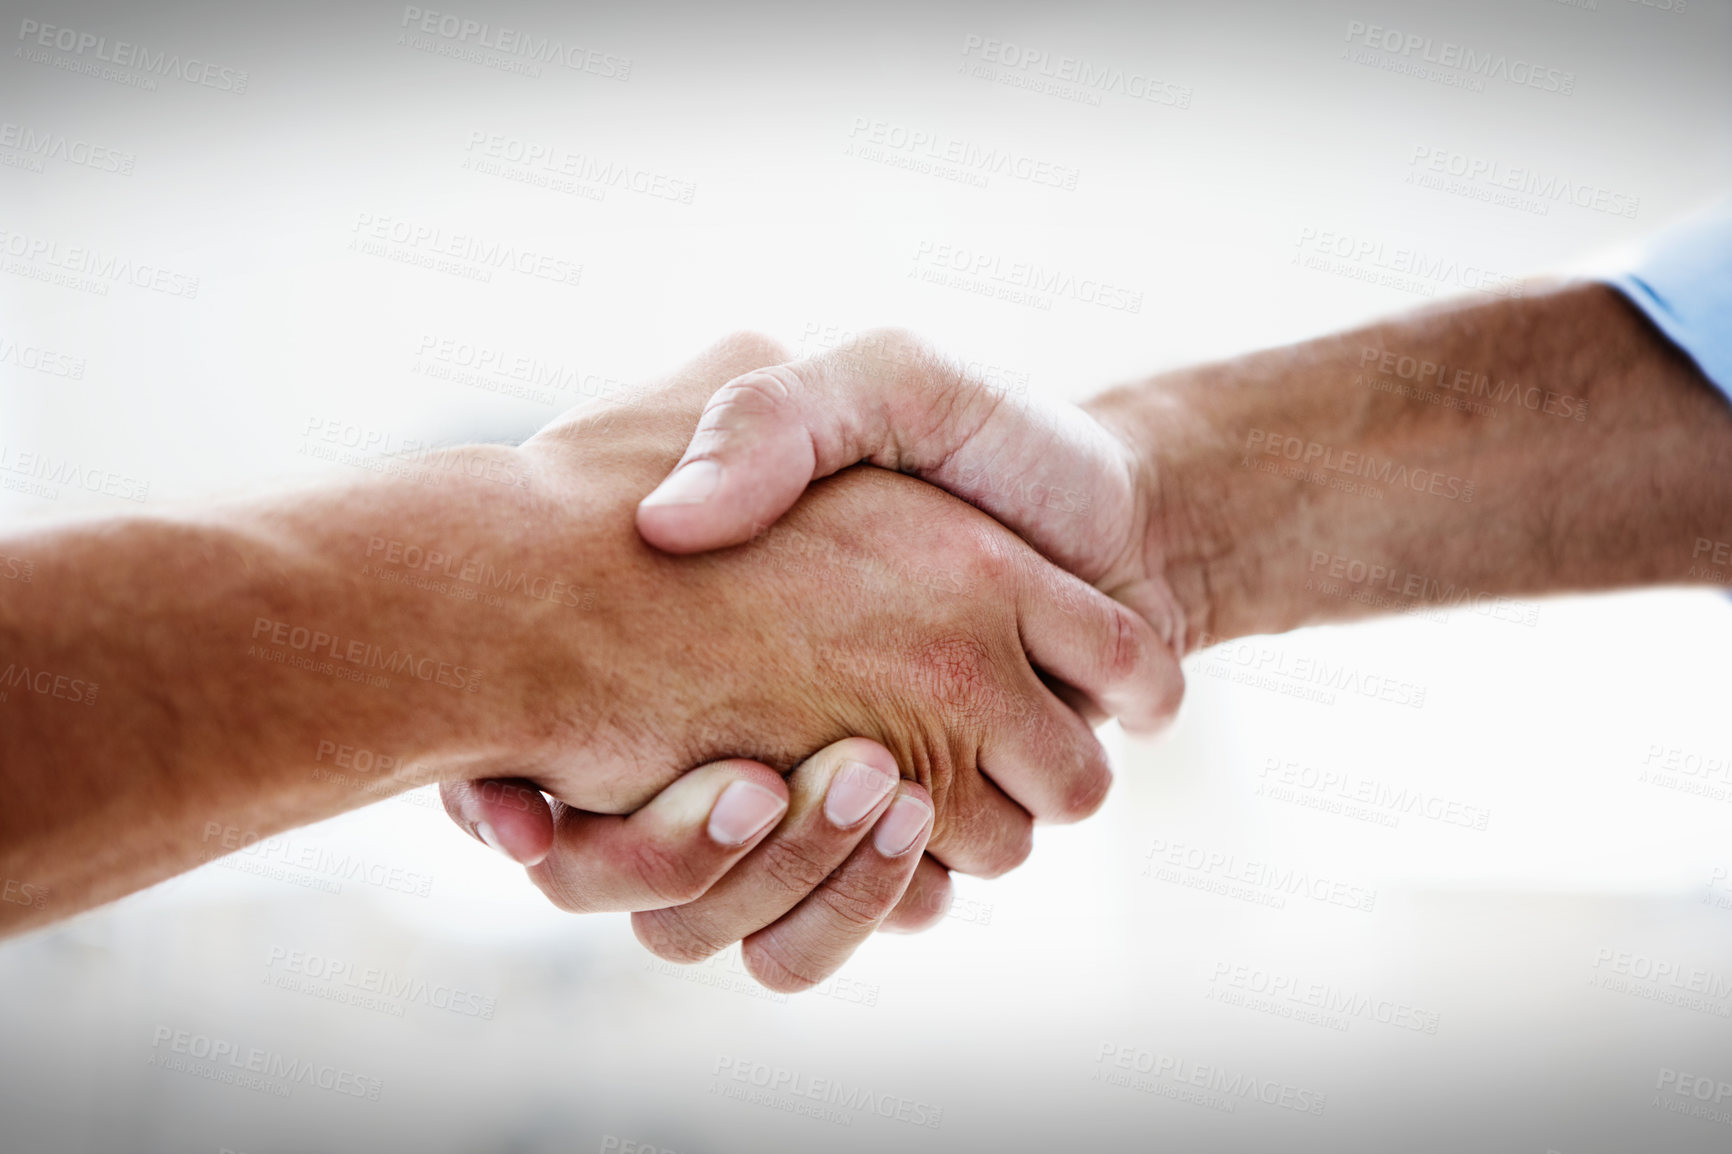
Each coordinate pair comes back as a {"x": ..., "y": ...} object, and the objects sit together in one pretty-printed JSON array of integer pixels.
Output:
[{"x": 1683, "y": 282}]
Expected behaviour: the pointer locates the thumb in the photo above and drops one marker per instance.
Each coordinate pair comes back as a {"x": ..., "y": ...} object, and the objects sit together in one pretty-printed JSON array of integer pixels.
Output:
[
  {"x": 509, "y": 814},
  {"x": 766, "y": 435}
]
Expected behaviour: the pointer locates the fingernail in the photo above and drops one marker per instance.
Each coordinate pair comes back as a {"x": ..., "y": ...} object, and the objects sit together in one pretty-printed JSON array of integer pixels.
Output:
[
  {"x": 742, "y": 812},
  {"x": 855, "y": 791},
  {"x": 901, "y": 824},
  {"x": 689, "y": 485},
  {"x": 484, "y": 830}
]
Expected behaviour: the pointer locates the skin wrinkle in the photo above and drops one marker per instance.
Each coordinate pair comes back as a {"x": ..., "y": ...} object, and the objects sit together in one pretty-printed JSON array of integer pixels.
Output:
[
  {"x": 683, "y": 659},
  {"x": 1557, "y": 505},
  {"x": 965, "y": 394}
]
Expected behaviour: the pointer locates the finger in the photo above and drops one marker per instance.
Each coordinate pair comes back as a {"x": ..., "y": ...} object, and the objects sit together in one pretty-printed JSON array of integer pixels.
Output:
[
  {"x": 981, "y": 831},
  {"x": 1095, "y": 645},
  {"x": 811, "y": 942},
  {"x": 834, "y": 797},
  {"x": 1080, "y": 703},
  {"x": 668, "y": 852},
  {"x": 509, "y": 814},
  {"x": 1046, "y": 758},
  {"x": 768, "y": 433},
  {"x": 924, "y": 903}
]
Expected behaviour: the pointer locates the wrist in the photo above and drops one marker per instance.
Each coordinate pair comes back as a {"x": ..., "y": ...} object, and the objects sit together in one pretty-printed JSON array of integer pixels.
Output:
[
  {"x": 1545, "y": 443},
  {"x": 1196, "y": 525},
  {"x": 382, "y": 613}
]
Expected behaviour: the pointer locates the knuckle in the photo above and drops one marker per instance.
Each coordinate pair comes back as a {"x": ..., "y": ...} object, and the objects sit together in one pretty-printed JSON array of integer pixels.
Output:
[
  {"x": 990, "y": 848},
  {"x": 757, "y": 393},
  {"x": 1077, "y": 769},
  {"x": 992, "y": 554},
  {"x": 954, "y": 669},
  {"x": 857, "y": 906},
  {"x": 1000, "y": 858},
  {"x": 897, "y": 336},
  {"x": 1088, "y": 792},
  {"x": 791, "y": 865},
  {"x": 558, "y": 889},
  {"x": 890, "y": 352},
  {"x": 665, "y": 874},
  {"x": 754, "y": 347},
  {"x": 1127, "y": 647},
  {"x": 673, "y": 937},
  {"x": 780, "y": 967}
]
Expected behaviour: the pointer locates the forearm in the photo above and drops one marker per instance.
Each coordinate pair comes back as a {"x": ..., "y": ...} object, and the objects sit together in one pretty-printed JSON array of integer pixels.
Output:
[
  {"x": 1548, "y": 443},
  {"x": 173, "y": 685}
]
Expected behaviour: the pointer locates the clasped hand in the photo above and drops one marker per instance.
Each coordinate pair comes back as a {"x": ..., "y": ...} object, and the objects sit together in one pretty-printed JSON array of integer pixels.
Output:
[{"x": 925, "y": 677}]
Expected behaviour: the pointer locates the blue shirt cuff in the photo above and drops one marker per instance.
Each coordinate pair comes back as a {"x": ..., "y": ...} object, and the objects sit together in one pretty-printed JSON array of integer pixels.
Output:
[{"x": 1683, "y": 282}]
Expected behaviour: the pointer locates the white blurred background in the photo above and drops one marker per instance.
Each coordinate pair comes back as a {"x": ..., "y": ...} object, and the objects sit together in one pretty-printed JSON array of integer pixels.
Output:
[{"x": 1546, "y": 982}]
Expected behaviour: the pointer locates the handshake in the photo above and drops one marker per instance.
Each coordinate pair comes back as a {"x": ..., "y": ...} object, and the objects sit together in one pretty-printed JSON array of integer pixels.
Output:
[
  {"x": 789, "y": 641},
  {"x": 925, "y": 656}
]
